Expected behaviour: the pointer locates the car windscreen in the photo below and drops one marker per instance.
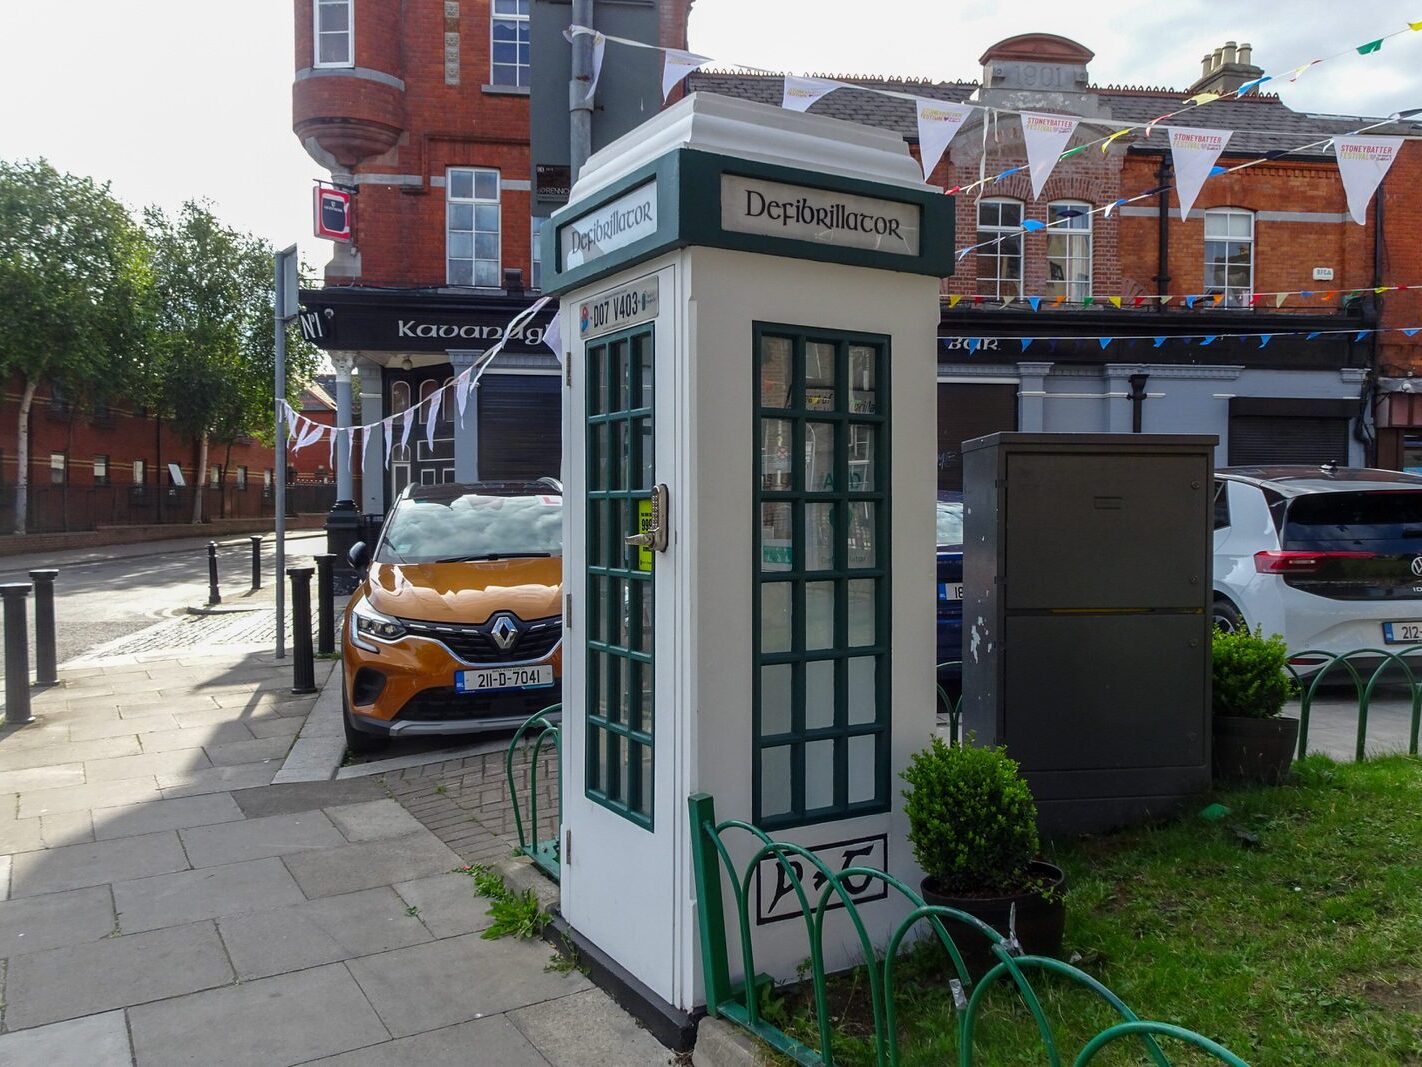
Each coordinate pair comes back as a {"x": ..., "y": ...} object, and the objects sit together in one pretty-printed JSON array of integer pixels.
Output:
[
  {"x": 1334, "y": 520},
  {"x": 950, "y": 523},
  {"x": 471, "y": 527}
]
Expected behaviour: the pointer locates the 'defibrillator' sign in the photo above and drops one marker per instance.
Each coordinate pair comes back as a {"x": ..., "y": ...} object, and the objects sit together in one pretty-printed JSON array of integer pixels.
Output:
[{"x": 821, "y": 216}]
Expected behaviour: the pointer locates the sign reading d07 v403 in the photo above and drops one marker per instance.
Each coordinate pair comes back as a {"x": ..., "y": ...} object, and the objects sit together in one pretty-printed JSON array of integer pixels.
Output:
[{"x": 616, "y": 310}]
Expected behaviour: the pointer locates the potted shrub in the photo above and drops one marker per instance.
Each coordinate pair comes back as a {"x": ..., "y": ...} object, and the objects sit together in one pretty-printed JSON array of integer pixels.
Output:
[
  {"x": 1252, "y": 741},
  {"x": 973, "y": 828}
]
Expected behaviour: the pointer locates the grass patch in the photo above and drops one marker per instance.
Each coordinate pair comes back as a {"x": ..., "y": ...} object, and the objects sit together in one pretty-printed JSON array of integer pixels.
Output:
[
  {"x": 1290, "y": 931},
  {"x": 513, "y": 913}
]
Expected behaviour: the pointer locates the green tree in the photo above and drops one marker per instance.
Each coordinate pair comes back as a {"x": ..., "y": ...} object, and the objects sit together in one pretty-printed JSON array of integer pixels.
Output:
[
  {"x": 213, "y": 368},
  {"x": 73, "y": 270}
]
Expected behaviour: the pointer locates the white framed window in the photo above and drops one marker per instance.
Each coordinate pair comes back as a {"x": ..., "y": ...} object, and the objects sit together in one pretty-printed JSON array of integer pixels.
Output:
[
  {"x": 267, "y": 479},
  {"x": 535, "y": 279},
  {"x": 241, "y": 477},
  {"x": 472, "y": 246},
  {"x": 214, "y": 476},
  {"x": 101, "y": 470},
  {"x": 1229, "y": 255},
  {"x": 509, "y": 43},
  {"x": 57, "y": 464},
  {"x": 333, "y": 30},
  {"x": 1069, "y": 250},
  {"x": 140, "y": 473},
  {"x": 1000, "y": 264}
]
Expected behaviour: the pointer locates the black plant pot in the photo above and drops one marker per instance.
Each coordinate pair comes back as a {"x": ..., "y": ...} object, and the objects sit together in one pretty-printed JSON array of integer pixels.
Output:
[
  {"x": 1041, "y": 917},
  {"x": 1254, "y": 750}
]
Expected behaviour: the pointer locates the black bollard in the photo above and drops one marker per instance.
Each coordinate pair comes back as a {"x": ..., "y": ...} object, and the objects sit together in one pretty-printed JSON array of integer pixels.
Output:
[
  {"x": 17, "y": 654},
  {"x": 46, "y": 662},
  {"x": 213, "y": 596},
  {"x": 256, "y": 561},
  {"x": 303, "y": 665},
  {"x": 325, "y": 605}
]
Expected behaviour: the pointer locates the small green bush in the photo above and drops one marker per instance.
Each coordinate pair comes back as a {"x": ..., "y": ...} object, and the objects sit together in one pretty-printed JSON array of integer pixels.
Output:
[
  {"x": 972, "y": 819},
  {"x": 1251, "y": 674}
]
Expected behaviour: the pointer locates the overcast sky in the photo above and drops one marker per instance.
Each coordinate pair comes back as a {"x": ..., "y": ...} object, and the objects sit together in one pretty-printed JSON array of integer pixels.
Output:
[{"x": 171, "y": 99}]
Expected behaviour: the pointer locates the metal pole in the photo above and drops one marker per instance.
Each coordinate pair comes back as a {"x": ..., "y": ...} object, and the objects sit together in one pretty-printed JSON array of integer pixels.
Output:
[
  {"x": 282, "y": 313},
  {"x": 256, "y": 561},
  {"x": 325, "y": 605},
  {"x": 213, "y": 595},
  {"x": 303, "y": 665},
  {"x": 46, "y": 662},
  {"x": 17, "y": 654},
  {"x": 580, "y": 103}
]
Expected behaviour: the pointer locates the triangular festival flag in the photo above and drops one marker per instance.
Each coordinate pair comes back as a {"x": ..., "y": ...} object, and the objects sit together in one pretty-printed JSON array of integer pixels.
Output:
[
  {"x": 461, "y": 392},
  {"x": 598, "y": 49},
  {"x": 409, "y": 414},
  {"x": 1045, "y": 136},
  {"x": 1193, "y": 152},
  {"x": 436, "y": 398},
  {"x": 800, "y": 93},
  {"x": 553, "y": 336},
  {"x": 389, "y": 425},
  {"x": 1362, "y": 163},
  {"x": 676, "y": 65},
  {"x": 938, "y": 121}
]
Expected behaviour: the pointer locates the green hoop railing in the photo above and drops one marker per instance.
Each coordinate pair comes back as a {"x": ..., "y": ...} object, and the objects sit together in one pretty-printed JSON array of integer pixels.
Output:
[
  {"x": 954, "y": 707},
  {"x": 1310, "y": 683},
  {"x": 740, "y": 1003},
  {"x": 544, "y": 853}
]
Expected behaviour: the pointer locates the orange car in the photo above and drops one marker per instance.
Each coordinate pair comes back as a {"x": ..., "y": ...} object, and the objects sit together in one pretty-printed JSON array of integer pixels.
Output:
[{"x": 457, "y": 625}]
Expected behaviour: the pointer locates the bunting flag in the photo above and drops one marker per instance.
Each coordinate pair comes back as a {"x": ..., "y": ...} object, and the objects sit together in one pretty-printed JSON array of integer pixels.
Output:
[
  {"x": 1362, "y": 163},
  {"x": 1193, "y": 153},
  {"x": 1044, "y": 137},
  {"x": 331, "y": 451},
  {"x": 405, "y": 432},
  {"x": 462, "y": 386},
  {"x": 676, "y": 65},
  {"x": 598, "y": 49},
  {"x": 553, "y": 336},
  {"x": 937, "y": 123},
  {"x": 800, "y": 93},
  {"x": 389, "y": 425},
  {"x": 436, "y": 398},
  {"x": 313, "y": 433}
]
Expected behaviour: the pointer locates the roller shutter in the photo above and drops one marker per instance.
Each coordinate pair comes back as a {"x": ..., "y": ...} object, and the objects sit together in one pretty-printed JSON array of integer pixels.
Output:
[{"x": 520, "y": 426}]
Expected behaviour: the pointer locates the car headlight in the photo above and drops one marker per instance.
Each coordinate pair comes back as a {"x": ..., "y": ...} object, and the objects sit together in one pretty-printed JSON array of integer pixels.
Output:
[{"x": 366, "y": 622}]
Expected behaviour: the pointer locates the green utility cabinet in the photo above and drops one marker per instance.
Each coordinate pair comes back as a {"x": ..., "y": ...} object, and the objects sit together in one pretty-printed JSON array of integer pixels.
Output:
[{"x": 1086, "y": 618}]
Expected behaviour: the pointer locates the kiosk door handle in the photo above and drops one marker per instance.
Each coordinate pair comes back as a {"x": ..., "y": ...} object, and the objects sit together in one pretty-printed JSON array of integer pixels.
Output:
[{"x": 653, "y": 524}]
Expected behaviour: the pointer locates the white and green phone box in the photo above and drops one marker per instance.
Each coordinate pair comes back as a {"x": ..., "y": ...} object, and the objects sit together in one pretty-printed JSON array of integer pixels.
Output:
[{"x": 749, "y": 312}]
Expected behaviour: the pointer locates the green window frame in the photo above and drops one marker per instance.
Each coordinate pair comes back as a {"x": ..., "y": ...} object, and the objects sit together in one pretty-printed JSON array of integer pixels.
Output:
[
  {"x": 821, "y": 610},
  {"x": 620, "y": 470}
]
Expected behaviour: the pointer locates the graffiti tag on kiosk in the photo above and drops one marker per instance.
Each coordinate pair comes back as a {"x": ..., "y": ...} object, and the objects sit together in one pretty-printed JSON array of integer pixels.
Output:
[{"x": 775, "y": 889}]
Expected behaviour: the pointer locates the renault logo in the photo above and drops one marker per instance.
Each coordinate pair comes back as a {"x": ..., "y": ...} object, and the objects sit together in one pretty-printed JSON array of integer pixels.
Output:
[
  {"x": 505, "y": 631},
  {"x": 1417, "y": 566}
]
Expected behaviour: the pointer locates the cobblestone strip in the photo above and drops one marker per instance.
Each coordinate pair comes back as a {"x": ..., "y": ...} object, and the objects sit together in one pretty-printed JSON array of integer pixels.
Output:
[{"x": 465, "y": 802}]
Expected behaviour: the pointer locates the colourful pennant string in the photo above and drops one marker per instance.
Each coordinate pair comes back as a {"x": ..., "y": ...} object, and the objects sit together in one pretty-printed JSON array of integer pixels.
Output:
[
  {"x": 1158, "y": 342},
  {"x": 1115, "y": 301},
  {"x": 1209, "y": 340},
  {"x": 1103, "y": 342},
  {"x": 1361, "y": 334},
  {"x": 1035, "y": 301},
  {"x": 1119, "y": 133},
  {"x": 1025, "y": 342},
  {"x": 1412, "y": 332},
  {"x": 1032, "y": 225},
  {"x": 1203, "y": 98},
  {"x": 953, "y": 300},
  {"x": 1265, "y": 338},
  {"x": 1087, "y": 301},
  {"x": 1371, "y": 47}
]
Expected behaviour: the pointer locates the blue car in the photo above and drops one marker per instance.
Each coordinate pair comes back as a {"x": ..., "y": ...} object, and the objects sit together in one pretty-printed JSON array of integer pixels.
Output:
[{"x": 950, "y": 593}]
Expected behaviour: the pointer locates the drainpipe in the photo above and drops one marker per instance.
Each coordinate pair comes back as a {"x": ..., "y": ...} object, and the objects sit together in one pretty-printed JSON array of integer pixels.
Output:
[
  {"x": 1138, "y": 396},
  {"x": 1162, "y": 242}
]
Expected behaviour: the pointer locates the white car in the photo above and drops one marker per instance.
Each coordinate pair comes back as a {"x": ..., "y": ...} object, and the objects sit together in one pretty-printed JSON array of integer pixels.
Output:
[{"x": 1329, "y": 557}]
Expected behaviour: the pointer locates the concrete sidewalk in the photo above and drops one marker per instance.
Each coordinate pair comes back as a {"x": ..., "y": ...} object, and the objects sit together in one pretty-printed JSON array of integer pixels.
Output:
[{"x": 162, "y": 903}]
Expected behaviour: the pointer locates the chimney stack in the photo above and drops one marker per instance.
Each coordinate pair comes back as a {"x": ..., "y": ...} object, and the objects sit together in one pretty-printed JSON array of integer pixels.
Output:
[{"x": 1226, "y": 69}]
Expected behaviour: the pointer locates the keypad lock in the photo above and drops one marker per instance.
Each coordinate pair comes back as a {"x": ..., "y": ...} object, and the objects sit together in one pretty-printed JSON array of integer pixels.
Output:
[{"x": 653, "y": 532}]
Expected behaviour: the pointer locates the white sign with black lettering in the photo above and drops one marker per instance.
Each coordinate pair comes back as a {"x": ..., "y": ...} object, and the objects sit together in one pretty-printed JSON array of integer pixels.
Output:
[
  {"x": 844, "y": 220},
  {"x": 776, "y": 898},
  {"x": 627, "y": 305},
  {"x": 626, "y": 220}
]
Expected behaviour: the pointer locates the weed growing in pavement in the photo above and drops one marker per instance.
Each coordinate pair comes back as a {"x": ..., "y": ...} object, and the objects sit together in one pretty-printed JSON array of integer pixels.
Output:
[
  {"x": 440, "y": 788},
  {"x": 413, "y": 911},
  {"x": 513, "y": 913}
]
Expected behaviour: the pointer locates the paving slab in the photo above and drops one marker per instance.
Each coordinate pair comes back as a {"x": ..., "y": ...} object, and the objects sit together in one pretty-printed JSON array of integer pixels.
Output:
[
  {"x": 147, "y": 724},
  {"x": 305, "y": 796},
  {"x": 373, "y": 820},
  {"x": 447, "y": 904},
  {"x": 274, "y": 835},
  {"x": 82, "y": 797},
  {"x": 208, "y": 893},
  {"x": 320, "y": 931},
  {"x": 94, "y": 1039},
  {"x": 65, "y": 983},
  {"x": 69, "y": 752},
  {"x": 184, "y": 762},
  {"x": 96, "y": 863},
  {"x": 272, "y": 1021},
  {"x": 6, "y": 862},
  {"x": 9, "y": 803},
  {"x": 585, "y": 1028},
  {"x": 250, "y": 751},
  {"x": 175, "y": 737},
  {"x": 188, "y": 704},
  {"x": 157, "y": 815},
  {"x": 457, "y": 979},
  {"x": 370, "y": 863},
  {"x": 21, "y": 835},
  {"x": 218, "y": 779},
  {"x": 66, "y": 828},
  {"x": 36, "y": 924},
  {"x": 53, "y": 776},
  {"x": 275, "y": 727},
  {"x": 489, "y": 1042}
]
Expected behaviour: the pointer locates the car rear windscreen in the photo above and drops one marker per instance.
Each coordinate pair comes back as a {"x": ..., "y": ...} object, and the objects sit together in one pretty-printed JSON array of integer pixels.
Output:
[{"x": 1375, "y": 520}]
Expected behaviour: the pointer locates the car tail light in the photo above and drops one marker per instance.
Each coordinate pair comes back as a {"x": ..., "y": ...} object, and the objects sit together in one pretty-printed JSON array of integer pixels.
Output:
[{"x": 1301, "y": 562}]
